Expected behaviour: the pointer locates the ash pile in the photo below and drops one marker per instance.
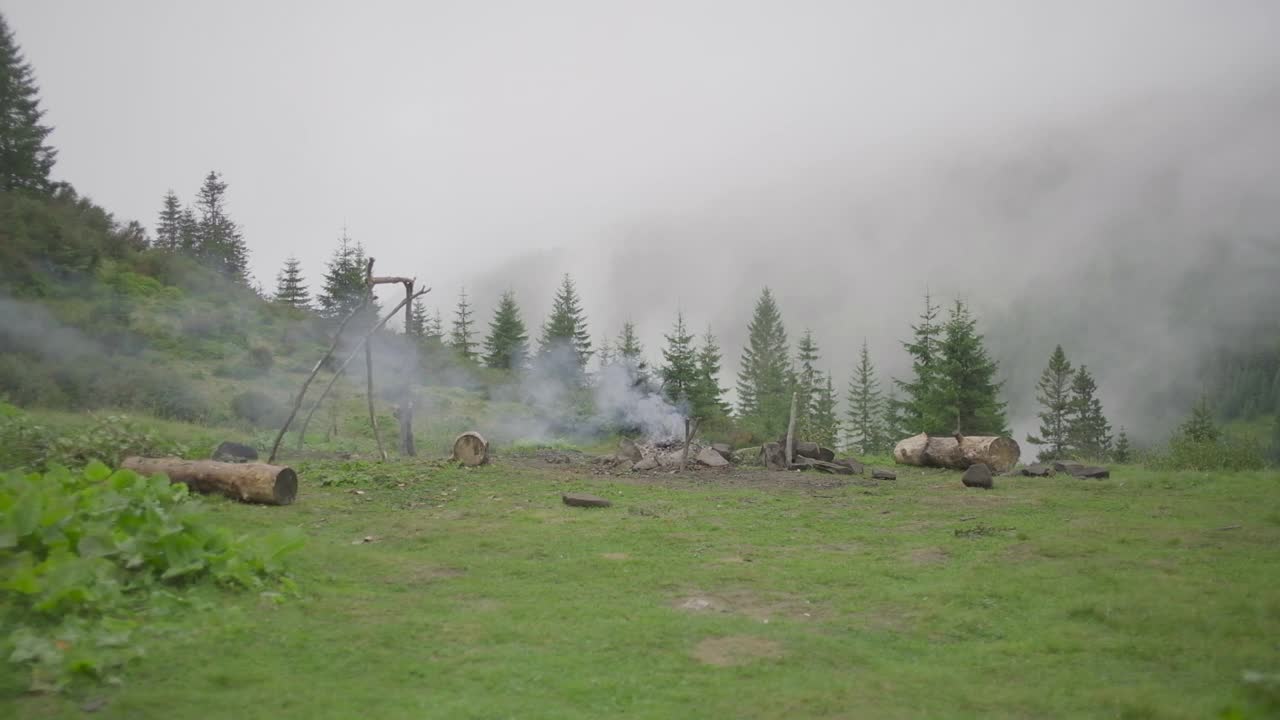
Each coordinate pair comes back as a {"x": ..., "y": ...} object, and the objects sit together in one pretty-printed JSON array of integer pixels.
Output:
[{"x": 641, "y": 455}]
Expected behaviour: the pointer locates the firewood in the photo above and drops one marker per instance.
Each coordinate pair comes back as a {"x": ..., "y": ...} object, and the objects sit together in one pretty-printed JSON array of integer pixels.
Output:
[{"x": 944, "y": 451}]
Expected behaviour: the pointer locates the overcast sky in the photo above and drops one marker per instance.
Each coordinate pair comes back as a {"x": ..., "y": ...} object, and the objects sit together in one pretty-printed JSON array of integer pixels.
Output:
[{"x": 683, "y": 154}]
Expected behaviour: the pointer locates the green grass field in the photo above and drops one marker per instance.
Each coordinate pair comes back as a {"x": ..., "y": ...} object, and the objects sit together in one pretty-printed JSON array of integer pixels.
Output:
[{"x": 432, "y": 591}]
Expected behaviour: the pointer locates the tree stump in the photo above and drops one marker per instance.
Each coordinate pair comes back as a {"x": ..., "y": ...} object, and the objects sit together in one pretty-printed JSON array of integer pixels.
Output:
[{"x": 471, "y": 449}]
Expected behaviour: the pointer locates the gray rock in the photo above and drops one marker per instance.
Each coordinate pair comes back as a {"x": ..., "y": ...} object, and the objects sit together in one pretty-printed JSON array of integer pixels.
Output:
[
  {"x": 234, "y": 452},
  {"x": 725, "y": 451},
  {"x": 978, "y": 476},
  {"x": 711, "y": 458},
  {"x": 1037, "y": 470},
  {"x": 882, "y": 474},
  {"x": 645, "y": 464},
  {"x": 1093, "y": 471},
  {"x": 747, "y": 456},
  {"x": 773, "y": 457},
  {"x": 627, "y": 450},
  {"x": 584, "y": 500},
  {"x": 829, "y": 467},
  {"x": 814, "y": 451},
  {"x": 1070, "y": 468},
  {"x": 671, "y": 459}
]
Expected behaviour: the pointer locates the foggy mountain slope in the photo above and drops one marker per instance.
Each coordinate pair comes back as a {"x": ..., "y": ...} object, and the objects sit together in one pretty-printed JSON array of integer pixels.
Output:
[{"x": 1140, "y": 239}]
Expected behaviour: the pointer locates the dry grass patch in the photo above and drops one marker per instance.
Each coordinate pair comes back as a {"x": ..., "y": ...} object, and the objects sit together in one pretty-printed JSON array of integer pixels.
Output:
[{"x": 736, "y": 650}]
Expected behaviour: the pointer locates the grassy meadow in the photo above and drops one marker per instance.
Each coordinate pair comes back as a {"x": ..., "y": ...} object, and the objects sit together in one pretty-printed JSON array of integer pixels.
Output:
[{"x": 426, "y": 590}]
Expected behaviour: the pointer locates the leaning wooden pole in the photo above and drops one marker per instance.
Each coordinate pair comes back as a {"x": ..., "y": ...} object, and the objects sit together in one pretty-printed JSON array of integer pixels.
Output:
[
  {"x": 359, "y": 346},
  {"x": 791, "y": 433},
  {"x": 297, "y": 401}
]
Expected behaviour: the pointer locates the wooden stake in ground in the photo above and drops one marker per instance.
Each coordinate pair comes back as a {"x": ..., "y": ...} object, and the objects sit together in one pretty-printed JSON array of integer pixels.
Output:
[
  {"x": 341, "y": 368},
  {"x": 368, "y": 366},
  {"x": 247, "y": 482},
  {"x": 791, "y": 433},
  {"x": 404, "y": 413}
]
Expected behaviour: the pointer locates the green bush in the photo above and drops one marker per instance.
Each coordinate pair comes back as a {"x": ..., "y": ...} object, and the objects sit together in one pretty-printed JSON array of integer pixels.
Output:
[
  {"x": 256, "y": 408},
  {"x": 84, "y": 555},
  {"x": 259, "y": 358},
  {"x": 27, "y": 444},
  {"x": 1231, "y": 454}
]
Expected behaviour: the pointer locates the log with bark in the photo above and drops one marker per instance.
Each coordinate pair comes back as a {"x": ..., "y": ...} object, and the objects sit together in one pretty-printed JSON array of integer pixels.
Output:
[
  {"x": 957, "y": 452},
  {"x": 471, "y": 449},
  {"x": 247, "y": 482}
]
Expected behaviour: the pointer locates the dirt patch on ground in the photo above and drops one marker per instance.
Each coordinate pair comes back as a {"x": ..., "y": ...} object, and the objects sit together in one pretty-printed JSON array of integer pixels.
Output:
[
  {"x": 928, "y": 556},
  {"x": 736, "y": 650},
  {"x": 757, "y": 606}
]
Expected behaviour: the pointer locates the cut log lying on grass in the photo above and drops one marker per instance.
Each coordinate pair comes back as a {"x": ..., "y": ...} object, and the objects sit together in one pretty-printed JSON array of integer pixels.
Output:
[
  {"x": 471, "y": 449},
  {"x": 957, "y": 452},
  {"x": 246, "y": 482}
]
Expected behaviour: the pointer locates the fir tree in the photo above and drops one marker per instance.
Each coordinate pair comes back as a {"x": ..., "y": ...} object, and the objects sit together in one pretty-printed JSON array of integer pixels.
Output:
[
  {"x": 1122, "y": 453},
  {"x": 895, "y": 426},
  {"x": 461, "y": 333},
  {"x": 290, "y": 288},
  {"x": 1054, "y": 395},
  {"x": 25, "y": 159},
  {"x": 628, "y": 344},
  {"x": 968, "y": 395},
  {"x": 764, "y": 373},
  {"x": 567, "y": 326},
  {"x": 708, "y": 396},
  {"x": 169, "y": 227},
  {"x": 808, "y": 383},
  {"x": 825, "y": 425},
  {"x": 220, "y": 244},
  {"x": 680, "y": 366},
  {"x": 1087, "y": 428},
  {"x": 1200, "y": 425},
  {"x": 604, "y": 355},
  {"x": 344, "y": 280},
  {"x": 866, "y": 411},
  {"x": 417, "y": 320},
  {"x": 918, "y": 408},
  {"x": 435, "y": 326},
  {"x": 188, "y": 232},
  {"x": 507, "y": 345}
]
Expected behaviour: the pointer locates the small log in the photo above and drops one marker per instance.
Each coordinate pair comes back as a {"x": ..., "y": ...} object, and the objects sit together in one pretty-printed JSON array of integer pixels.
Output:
[
  {"x": 944, "y": 451},
  {"x": 247, "y": 482},
  {"x": 584, "y": 500},
  {"x": 471, "y": 449}
]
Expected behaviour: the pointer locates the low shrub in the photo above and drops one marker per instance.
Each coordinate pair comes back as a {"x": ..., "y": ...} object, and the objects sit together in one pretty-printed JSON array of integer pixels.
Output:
[
  {"x": 84, "y": 556},
  {"x": 1230, "y": 454},
  {"x": 256, "y": 408},
  {"x": 110, "y": 438}
]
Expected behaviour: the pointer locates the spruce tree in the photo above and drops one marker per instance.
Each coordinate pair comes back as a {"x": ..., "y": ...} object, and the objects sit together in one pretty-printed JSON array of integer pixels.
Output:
[
  {"x": 25, "y": 159},
  {"x": 808, "y": 383},
  {"x": 764, "y": 373},
  {"x": 866, "y": 411},
  {"x": 290, "y": 288},
  {"x": 708, "y": 396},
  {"x": 680, "y": 366},
  {"x": 1122, "y": 453},
  {"x": 1200, "y": 426},
  {"x": 344, "y": 280},
  {"x": 895, "y": 425},
  {"x": 169, "y": 226},
  {"x": 918, "y": 407},
  {"x": 1054, "y": 395},
  {"x": 435, "y": 326},
  {"x": 1087, "y": 428},
  {"x": 507, "y": 345},
  {"x": 604, "y": 354},
  {"x": 823, "y": 421},
  {"x": 417, "y": 320},
  {"x": 188, "y": 232},
  {"x": 567, "y": 326},
  {"x": 968, "y": 395},
  {"x": 628, "y": 344},
  {"x": 461, "y": 333},
  {"x": 220, "y": 244}
]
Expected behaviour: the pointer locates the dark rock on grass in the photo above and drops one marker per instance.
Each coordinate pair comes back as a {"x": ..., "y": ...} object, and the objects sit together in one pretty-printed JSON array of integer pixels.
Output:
[
  {"x": 1070, "y": 468},
  {"x": 725, "y": 451},
  {"x": 773, "y": 457},
  {"x": 978, "y": 476},
  {"x": 711, "y": 458},
  {"x": 1037, "y": 470},
  {"x": 829, "y": 467},
  {"x": 1093, "y": 471},
  {"x": 584, "y": 500},
  {"x": 854, "y": 464},
  {"x": 882, "y": 474},
  {"x": 234, "y": 452},
  {"x": 814, "y": 451},
  {"x": 628, "y": 451}
]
